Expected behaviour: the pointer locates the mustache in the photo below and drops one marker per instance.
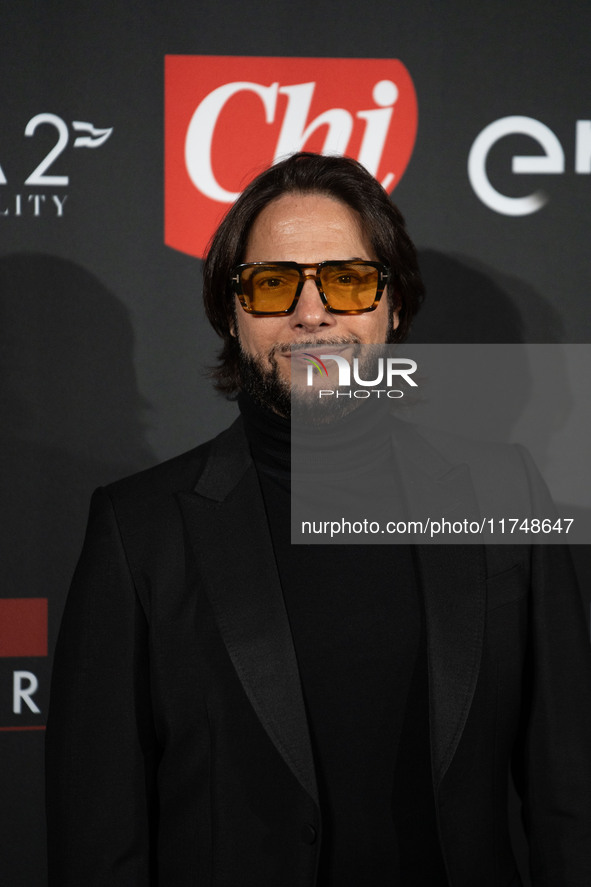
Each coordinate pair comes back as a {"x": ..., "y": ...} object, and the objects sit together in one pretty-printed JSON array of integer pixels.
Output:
[{"x": 287, "y": 347}]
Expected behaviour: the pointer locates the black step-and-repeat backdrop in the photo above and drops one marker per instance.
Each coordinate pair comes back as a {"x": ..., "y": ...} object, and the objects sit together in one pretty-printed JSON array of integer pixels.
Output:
[{"x": 125, "y": 132}]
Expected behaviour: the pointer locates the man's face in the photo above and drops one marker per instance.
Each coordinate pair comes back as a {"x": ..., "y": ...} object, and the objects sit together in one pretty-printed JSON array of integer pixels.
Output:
[{"x": 305, "y": 228}]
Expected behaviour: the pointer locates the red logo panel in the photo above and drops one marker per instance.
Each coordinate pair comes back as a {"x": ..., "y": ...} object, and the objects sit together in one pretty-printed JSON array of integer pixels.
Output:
[
  {"x": 229, "y": 117},
  {"x": 23, "y": 627}
]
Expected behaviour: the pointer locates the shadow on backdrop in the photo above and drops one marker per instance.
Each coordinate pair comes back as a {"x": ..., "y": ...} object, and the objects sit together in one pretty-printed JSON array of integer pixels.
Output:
[
  {"x": 72, "y": 419},
  {"x": 468, "y": 302}
]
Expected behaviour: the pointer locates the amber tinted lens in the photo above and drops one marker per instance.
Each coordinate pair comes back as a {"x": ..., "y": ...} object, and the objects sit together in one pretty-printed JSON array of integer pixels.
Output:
[
  {"x": 269, "y": 288},
  {"x": 349, "y": 286}
]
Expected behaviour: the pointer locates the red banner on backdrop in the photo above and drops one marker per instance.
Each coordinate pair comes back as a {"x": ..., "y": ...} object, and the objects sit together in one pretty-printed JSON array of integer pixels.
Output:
[
  {"x": 23, "y": 627},
  {"x": 229, "y": 117}
]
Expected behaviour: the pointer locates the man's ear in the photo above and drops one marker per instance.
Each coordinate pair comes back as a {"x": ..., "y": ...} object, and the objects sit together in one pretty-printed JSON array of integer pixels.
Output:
[{"x": 396, "y": 310}]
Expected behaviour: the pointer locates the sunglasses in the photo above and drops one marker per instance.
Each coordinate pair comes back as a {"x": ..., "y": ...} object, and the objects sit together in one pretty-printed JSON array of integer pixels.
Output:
[{"x": 270, "y": 289}]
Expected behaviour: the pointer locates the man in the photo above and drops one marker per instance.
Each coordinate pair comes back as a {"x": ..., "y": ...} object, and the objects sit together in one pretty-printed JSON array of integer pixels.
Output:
[{"x": 229, "y": 709}]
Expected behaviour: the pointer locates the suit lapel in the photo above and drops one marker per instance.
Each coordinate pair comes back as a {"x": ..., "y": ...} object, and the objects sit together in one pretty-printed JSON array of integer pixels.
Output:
[
  {"x": 453, "y": 583},
  {"x": 452, "y": 579},
  {"x": 227, "y": 525},
  {"x": 433, "y": 486}
]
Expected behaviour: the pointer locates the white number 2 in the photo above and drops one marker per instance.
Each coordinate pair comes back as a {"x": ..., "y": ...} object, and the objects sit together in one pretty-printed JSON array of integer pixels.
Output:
[{"x": 38, "y": 176}]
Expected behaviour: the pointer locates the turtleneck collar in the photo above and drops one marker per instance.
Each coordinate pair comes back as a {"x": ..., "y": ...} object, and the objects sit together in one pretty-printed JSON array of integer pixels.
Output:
[
  {"x": 268, "y": 434},
  {"x": 357, "y": 442}
]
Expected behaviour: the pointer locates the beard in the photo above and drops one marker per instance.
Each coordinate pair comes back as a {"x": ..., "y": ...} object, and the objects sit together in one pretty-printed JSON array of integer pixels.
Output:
[
  {"x": 264, "y": 383},
  {"x": 262, "y": 379}
]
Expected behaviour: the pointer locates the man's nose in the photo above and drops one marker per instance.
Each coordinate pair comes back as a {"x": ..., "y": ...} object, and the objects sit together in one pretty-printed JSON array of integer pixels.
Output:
[{"x": 310, "y": 312}]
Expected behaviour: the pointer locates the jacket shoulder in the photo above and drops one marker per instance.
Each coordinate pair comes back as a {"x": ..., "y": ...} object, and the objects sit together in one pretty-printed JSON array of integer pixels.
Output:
[
  {"x": 145, "y": 509},
  {"x": 176, "y": 475}
]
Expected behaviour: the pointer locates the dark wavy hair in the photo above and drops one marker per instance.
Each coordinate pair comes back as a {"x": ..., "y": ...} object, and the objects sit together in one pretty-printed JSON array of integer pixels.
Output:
[{"x": 341, "y": 178}]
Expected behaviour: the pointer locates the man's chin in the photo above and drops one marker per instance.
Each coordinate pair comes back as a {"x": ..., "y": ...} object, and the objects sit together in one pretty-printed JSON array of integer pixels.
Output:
[{"x": 271, "y": 390}]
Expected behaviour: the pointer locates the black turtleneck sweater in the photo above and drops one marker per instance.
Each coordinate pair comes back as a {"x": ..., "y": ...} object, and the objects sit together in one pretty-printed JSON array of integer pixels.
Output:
[{"x": 357, "y": 626}]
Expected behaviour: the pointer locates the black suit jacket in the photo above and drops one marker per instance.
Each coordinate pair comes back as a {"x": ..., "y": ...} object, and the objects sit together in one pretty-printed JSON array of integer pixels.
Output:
[{"x": 178, "y": 751}]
